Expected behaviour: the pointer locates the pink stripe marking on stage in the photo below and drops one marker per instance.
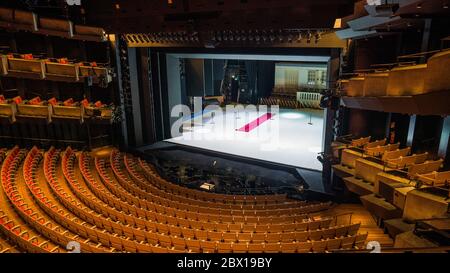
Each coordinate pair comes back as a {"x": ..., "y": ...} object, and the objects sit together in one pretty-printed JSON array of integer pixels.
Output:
[{"x": 252, "y": 125}]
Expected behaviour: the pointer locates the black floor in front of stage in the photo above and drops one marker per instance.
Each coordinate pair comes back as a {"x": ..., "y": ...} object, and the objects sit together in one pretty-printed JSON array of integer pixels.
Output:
[{"x": 191, "y": 167}]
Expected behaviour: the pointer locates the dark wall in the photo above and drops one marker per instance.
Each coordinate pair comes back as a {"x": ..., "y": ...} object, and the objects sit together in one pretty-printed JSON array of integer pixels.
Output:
[
  {"x": 375, "y": 51},
  {"x": 427, "y": 134},
  {"x": 398, "y": 130},
  {"x": 252, "y": 72},
  {"x": 194, "y": 77},
  {"x": 265, "y": 78},
  {"x": 209, "y": 77},
  {"x": 363, "y": 123},
  {"x": 218, "y": 74}
]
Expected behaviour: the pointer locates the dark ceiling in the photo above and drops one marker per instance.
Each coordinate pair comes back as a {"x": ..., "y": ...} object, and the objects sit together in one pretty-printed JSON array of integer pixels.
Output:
[
  {"x": 201, "y": 15},
  {"x": 143, "y": 16}
]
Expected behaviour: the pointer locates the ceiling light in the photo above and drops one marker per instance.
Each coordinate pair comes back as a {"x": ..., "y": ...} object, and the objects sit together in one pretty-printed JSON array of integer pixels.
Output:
[
  {"x": 318, "y": 36},
  {"x": 337, "y": 23},
  {"x": 308, "y": 37}
]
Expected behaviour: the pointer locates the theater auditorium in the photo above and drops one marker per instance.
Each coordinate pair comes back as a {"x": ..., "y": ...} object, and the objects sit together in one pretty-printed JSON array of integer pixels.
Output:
[{"x": 224, "y": 126}]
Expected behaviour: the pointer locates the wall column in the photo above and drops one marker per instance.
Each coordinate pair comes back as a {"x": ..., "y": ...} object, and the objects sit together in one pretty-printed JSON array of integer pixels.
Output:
[
  {"x": 444, "y": 142},
  {"x": 411, "y": 130}
]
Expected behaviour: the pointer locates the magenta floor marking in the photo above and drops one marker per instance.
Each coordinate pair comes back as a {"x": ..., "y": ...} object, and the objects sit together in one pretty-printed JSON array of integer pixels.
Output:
[{"x": 252, "y": 125}]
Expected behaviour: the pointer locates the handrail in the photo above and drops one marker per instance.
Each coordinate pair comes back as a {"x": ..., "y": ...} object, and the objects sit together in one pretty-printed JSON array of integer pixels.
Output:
[
  {"x": 390, "y": 65},
  {"x": 394, "y": 250},
  {"x": 418, "y": 55}
]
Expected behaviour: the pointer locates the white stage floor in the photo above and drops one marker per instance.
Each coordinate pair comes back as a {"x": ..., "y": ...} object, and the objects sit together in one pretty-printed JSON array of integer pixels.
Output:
[{"x": 291, "y": 137}]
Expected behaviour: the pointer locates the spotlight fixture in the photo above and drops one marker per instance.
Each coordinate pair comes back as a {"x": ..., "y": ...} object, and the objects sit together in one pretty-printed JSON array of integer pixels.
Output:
[
  {"x": 290, "y": 37},
  {"x": 250, "y": 35},
  {"x": 317, "y": 37},
  {"x": 299, "y": 38},
  {"x": 419, "y": 6},
  {"x": 264, "y": 36},
  {"x": 308, "y": 37},
  {"x": 445, "y": 5},
  {"x": 280, "y": 36}
]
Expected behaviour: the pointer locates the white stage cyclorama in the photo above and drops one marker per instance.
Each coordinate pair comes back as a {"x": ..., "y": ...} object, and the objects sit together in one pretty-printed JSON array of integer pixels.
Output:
[{"x": 289, "y": 136}]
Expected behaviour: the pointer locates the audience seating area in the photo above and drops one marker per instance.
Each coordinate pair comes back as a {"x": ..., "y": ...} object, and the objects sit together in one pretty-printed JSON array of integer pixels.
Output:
[
  {"x": 390, "y": 180},
  {"x": 401, "y": 81},
  {"x": 14, "y": 19},
  {"x": 17, "y": 107},
  {"x": 120, "y": 203},
  {"x": 30, "y": 66}
]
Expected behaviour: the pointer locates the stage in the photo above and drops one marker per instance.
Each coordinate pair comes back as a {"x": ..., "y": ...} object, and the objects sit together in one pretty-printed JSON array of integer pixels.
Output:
[{"x": 290, "y": 137}]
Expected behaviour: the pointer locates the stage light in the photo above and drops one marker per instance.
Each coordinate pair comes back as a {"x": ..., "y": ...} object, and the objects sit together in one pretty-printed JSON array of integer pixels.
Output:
[
  {"x": 337, "y": 23},
  {"x": 317, "y": 37},
  {"x": 299, "y": 38},
  {"x": 308, "y": 37},
  {"x": 202, "y": 131},
  {"x": 291, "y": 115},
  {"x": 290, "y": 37},
  {"x": 315, "y": 149}
]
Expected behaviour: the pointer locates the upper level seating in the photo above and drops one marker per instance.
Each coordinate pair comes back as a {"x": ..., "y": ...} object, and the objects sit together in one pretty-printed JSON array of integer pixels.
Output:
[
  {"x": 87, "y": 204},
  {"x": 14, "y": 19},
  {"x": 16, "y": 107},
  {"x": 402, "y": 80},
  {"x": 36, "y": 67}
]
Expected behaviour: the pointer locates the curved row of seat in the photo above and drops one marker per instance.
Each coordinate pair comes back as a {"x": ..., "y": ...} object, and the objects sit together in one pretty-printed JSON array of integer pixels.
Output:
[
  {"x": 46, "y": 200},
  {"x": 151, "y": 181},
  {"x": 214, "y": 197},
  {"x": 179, "y": 217},
  {"x": 6, "y": 247},
  {"x": 217, "y": 231},
  {"x": 11, "y": 224},
  {"x": 172, "y": 200},
  {"x": 85, "y": 203}
]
